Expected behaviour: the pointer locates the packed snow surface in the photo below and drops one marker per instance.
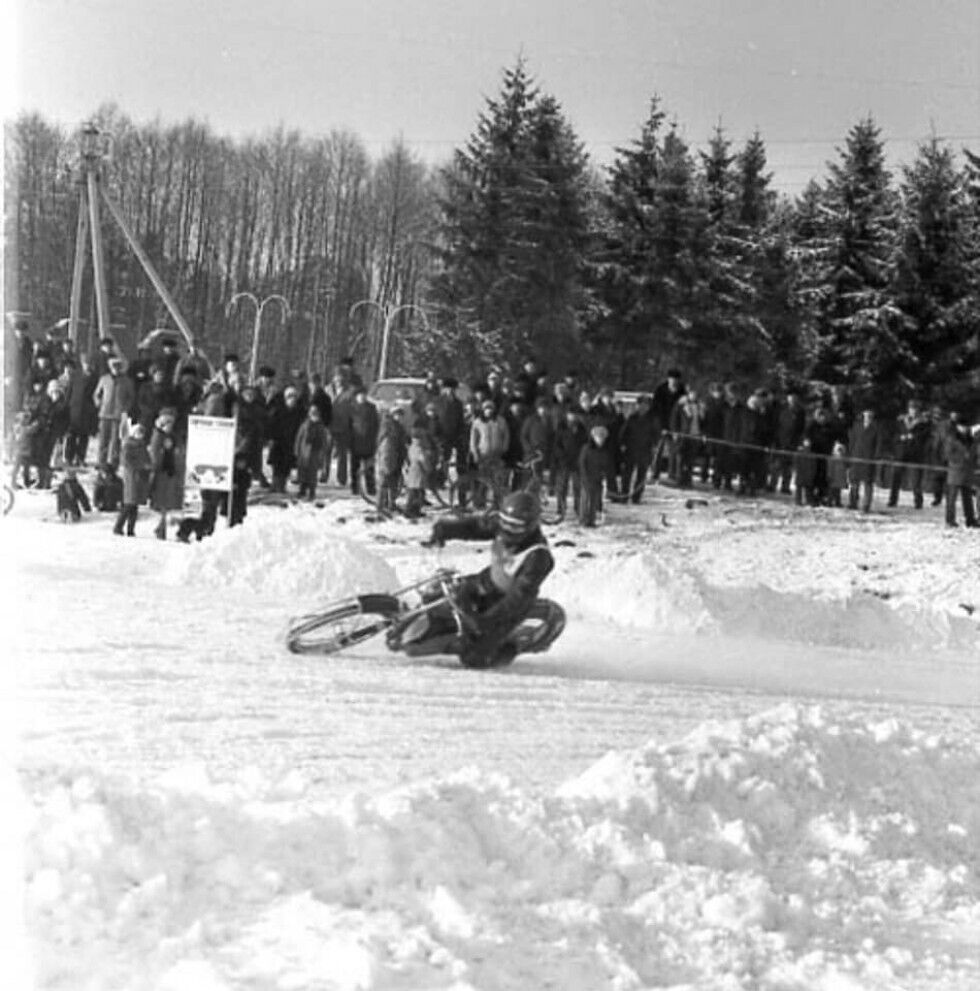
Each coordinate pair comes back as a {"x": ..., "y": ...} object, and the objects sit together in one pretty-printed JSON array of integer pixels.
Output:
[{"x": 752, "y": 761}]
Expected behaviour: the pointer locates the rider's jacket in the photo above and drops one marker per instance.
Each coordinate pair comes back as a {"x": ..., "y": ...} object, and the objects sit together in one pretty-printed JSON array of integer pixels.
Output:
[{"x": 505, "y": 590}]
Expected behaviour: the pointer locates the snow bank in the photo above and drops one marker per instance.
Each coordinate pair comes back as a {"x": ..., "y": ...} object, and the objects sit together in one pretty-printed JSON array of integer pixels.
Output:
[
  {"x": 301, "y": 554},
  {"x": 785, "y": 851}
]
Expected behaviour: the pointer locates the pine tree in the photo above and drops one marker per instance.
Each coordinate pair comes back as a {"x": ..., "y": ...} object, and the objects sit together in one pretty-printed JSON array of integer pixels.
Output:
[
  {"x": 514, "y": 230},
  {"x": 936, "y": 279},
  {"x": 859, "y": 333}
]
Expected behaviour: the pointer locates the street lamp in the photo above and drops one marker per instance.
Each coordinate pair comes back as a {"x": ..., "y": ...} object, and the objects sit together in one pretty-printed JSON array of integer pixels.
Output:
[
  {"x": 388, "y": 314},
  {"x": 259, "y": 307}
]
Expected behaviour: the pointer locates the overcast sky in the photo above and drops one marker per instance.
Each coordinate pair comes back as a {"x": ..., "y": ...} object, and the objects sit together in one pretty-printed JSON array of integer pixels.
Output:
[{"x": 801, "y": 71}]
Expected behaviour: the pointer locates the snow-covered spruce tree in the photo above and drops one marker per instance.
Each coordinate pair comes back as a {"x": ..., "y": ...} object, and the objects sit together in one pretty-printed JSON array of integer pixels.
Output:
[
  {"x": 649, "y": 277},
  {"x": 935, "y": 277},
  {"x": 857, "y": 333},
  {"x": 514, "y": 232}
]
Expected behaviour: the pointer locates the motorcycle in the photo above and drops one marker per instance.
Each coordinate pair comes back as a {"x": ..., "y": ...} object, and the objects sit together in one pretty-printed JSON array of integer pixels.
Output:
[{"x": 348, "y": 622}]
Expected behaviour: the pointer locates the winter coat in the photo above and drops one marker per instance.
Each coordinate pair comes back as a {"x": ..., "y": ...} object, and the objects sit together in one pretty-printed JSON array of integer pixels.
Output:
[
  {"x": 837, "y": 471},
  {"x": 790, "y": 423},
  {"x": 310, "y": 446},
  {"x": 537, "y": 437},
  {"x": 961, "y": 457},
  {"x": 489, "y": 439},
  {"x": 866, "y": 444},
  {"x": 342, "y": 400},
  {"x": 422, "y": 460},
  {"x": 25, "y": 435},
  {"x": 452, "y": 422},
  {"x": 134, "y": 469},
  {"x": 568, "y": 444},
  {"x": 805, "y": 468},
  {"x": 606, "y": 415},
  {"x": 59, "y": 418},
  {"x": 284, "y": 424},
  {"x": 664, "y": 400},
  {"x": 640, "y": 433},
  {"x": 596, "y": 464},
  {"x": 150, "y": 399},
  {"x": 821, "y": 436},
  {"x": 167, "y": 479},
  {"x": 364, "y": 424},
  {"x": 115, "y": 396},
  {"x": 732, "y": 429},
  {"x": 713, "y": 420},
  {"x": 252, "y": 424},
  {"x": 83, "y": 417},
  {"x": 912, "y": 439},
  {"x": 389, "y": 457}
]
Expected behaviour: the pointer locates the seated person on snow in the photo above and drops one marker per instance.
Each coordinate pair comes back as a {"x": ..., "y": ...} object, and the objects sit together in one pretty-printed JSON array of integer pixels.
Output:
[
  {"x": 72, "y": 498},
  {"x": 493, "y": 602}
]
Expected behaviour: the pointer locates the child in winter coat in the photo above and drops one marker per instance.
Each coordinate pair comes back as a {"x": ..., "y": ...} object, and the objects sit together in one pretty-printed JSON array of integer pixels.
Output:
[
  {"x": 805, "y": 469},
  {"x": 72, "y": 498},
  {"x": 310, "y": 449},
  {"x": 596, "y": 465},
  {"x": 389, "y": 458},
  {"x": 837, "y": 474},
  {"x": 134, "y": 460},
  {"x": 423, "y": 456},
  {"x": 167, "y": 462},
  {"x": 108, "y": 491},
  {"x": 25, "y": 432}
]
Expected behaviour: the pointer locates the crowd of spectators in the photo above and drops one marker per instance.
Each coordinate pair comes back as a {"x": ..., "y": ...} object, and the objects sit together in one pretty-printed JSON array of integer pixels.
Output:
[{"x": 479, "y": 440}]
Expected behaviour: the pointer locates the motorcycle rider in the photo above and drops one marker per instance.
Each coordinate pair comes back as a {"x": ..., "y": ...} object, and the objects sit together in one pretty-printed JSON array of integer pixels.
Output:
[{"x": 491, "y": 603}]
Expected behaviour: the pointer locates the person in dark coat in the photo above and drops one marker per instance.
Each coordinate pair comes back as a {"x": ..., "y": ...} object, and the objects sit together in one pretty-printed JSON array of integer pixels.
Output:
[
  {"x": 253, "y": 421},
  {"x": 595, "y": 466},
  {"x": 107, "y": 493},
  {"x": 83, "y": 420},
  {"x": 730, "y": 463},
  {"x": 310, "y": 450},
  {"x": 961, "y": 462},
  {"x": 24, "y": 432},
  {"x": 284, "y": 424},
  {"x": 753, "y": 435},
  {"x": 666, "y": 396},
  {"x": 537, "y": 439},
  {"x": 154, "y": 395},
  {"x": 167, "y": 469},
  {"x": 607, "y": 413},
  {"x": 713, "y": 422},
  {"x": 452, "y": 425},
  {"x": 134, "y": 469},
  {"x": 389, "y": 458},
  {"x": 911, "y": 453},
  {"x": 805, "y": 471},
  {"x": 341, "y": 392},
  {"x": 790, "y": 421},
  {"x": 364, "y": 425},
  {"x": 72, "y": 498},
  {"x": 864, "y": 451},
  {"x": 687, "y": 432},
  {"x": 639, "y": 436},
  {"x": 570, "y": 437},
  {"x": 821, "y": 435}
]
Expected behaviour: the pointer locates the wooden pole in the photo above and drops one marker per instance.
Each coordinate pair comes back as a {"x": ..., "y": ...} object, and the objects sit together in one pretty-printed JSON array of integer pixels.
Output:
[
  {"x": 78, "y": 271},
  {"x": 98, "y": 261}
]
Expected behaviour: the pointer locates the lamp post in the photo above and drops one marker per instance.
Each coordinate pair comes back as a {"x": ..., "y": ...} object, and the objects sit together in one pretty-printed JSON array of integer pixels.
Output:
[
  {"x": 259, "y": 307},
  {"x": 388, "y": 314}
]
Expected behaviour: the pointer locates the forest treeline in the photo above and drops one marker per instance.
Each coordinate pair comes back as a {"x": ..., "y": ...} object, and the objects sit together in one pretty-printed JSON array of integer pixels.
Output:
[{"x": 669, "y": 255}]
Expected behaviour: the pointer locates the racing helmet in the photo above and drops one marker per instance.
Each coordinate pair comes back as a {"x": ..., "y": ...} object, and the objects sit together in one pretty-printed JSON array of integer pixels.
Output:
[{"x": 519, "y": 514}]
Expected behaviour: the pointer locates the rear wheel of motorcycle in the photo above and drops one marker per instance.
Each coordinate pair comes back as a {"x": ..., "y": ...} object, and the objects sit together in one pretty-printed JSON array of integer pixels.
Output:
[{"x": 343, "y": 625}]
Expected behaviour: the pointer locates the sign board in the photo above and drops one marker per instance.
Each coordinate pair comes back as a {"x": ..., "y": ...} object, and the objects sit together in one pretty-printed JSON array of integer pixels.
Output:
[{"x": 210, "y": 452}]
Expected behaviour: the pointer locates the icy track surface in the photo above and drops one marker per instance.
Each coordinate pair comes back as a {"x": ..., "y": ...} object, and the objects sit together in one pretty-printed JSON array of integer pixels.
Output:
[{"x": 752, "y": 762}]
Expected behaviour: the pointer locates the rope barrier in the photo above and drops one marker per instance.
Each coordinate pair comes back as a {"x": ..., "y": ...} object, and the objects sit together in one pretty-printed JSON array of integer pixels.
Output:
[{"x": 777, "y": 451}]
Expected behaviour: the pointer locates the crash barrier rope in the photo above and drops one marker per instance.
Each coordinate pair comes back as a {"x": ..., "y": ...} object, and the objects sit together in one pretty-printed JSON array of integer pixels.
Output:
[{"x": 806, "y": 453}]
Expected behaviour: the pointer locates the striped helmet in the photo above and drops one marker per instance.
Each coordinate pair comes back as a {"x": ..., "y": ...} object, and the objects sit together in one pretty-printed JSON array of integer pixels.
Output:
[{"x": 519, "y": 514}]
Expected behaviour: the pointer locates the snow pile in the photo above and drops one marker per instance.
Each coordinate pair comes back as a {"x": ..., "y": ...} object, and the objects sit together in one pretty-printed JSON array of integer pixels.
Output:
[
  {"x": 784, "y": 851},
  {"x": 639, "y": 590},
  {"x": 300, "y": 555}
]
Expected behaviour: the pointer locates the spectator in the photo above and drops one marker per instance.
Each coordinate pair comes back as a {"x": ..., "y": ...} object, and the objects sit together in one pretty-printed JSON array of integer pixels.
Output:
[
  {"x": 713, "y": 421},
  {"x": 169, "y": 361},
  {"x": 167, "y": 467},
  {"x": 452, "y": 425},
  {"x": 53, "y": 431},
  {"x": 421, "y": 463},
  {"x": 688, "y": 435},
  {"x": 821, "y": 433},
  {"x": 730, "y": 460},
  {"x": 83, "y": 420},
  {"x": 107, "y": 492},
  {"x": 187, "y": 396},
  {"x": 570, "y": 437},
  {"x": 537, "y": 437},
  {"x": 154, "y": 395},
  {"x": 284, "y": 424},
  {"x": 837, "y": 478},
  {"x": 252, "y": 425},
  {"x": 389, "y": 459},
  {"x": 790, "y": 422},
  {"x": 114, "y": 397},
  {"x": 911, "y": 452},
  {"x": 960, "y": 448},
  {"x": 364, "y": 423},
  {"x": 341, "y": 392},
  {"x": 595, "y": 466},
  {"x": 865, "y": 449},
  {"x": 134, "y": 461},
  {"x": 805, "y": 470},
  {"x": 310, "y": 450},
  {"x": 25, "y": 430},
  {"x": 489, "y": 442}
]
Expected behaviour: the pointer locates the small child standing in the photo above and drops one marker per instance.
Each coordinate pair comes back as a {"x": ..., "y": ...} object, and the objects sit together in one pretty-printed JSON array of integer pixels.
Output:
[
  {"x": 72, "y": 498},
  {"x": 310, "y": 449},
  {"x": 25, "y": 433},
  {"x": 805, "y": 470},
  {"x": 134, "y": 459},
  {"x": 108, "y": 491},
  {"x": 837, "y": 474},
  {"x": 595, "y": 465}
]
